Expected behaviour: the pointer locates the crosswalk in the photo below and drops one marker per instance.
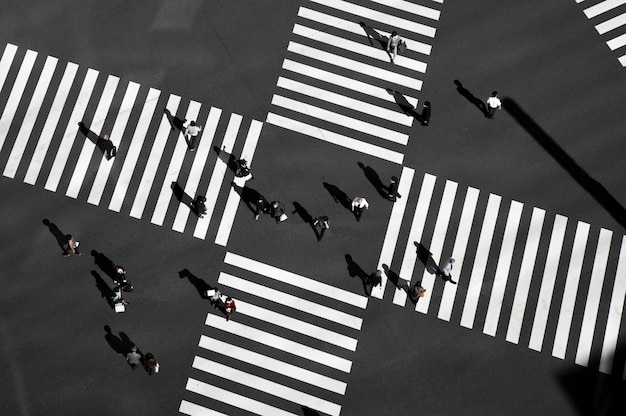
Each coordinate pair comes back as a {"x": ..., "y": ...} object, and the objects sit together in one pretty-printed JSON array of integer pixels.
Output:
[
  {"x": 64, "y": 154},
  {"x": 302, "y": 358},
  {"x": 609, "y": 18}
]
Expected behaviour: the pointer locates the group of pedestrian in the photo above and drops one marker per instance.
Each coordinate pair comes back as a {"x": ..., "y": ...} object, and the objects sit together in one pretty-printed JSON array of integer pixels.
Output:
[
  {"x": 416, "y": 291},
  {"x": 121, "y": 285},
  {"x": 225, "y": 303},
  {"x": 149, "y": 362}
]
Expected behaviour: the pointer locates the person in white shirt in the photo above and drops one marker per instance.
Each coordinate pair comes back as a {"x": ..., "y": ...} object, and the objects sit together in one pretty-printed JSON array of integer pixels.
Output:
[
  {"x": 445, "y": 271},
  {"x": 392, "y": 45},
  {"x": 358, "y": 205},
  {"x": 493, "y": 104},
  {"x": 191, "y": 135}
]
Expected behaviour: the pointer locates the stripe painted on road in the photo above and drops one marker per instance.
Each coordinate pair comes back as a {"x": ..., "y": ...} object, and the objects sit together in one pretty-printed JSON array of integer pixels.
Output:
[
  {"x": 617, "y": 42},
  {"x": 5, "y": 62},
  {"x": 192, "y": 409},
  {"x": 611, "y": 24},
  {"x": 409, "y": 7},
  {"x": 602, "y": 7}
]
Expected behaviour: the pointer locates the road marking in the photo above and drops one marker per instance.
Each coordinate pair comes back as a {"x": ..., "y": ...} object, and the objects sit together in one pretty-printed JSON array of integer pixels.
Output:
[
  {"x": 602, "y": 7},
  {"x": 611, "y": 24},
  {"x": 192, "y": 409},
  {"x": 5, "y": 62},
  {"x": 416, "y": 9}
]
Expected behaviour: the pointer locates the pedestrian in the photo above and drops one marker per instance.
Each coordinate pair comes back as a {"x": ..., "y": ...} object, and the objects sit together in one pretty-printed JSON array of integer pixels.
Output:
[
  {"x": 243, "y": 170},
  {"x": 445, "y": 271},
  {"x": 229, "y": 307},
  {"x": 70, "y": 246},
  {"x": 425, "y": 116},
  {"x": 262, "y": 206},
  {"x": 416, "y": 292},
  {"x": 359, "y": 204},
  {"x": 214, "y": 296},
  {"x": 199, "y": 207},
  {"x": 493, "y": 104},
  {"x": 151, "y": 364},
  {"x": 393, "y": 189},
  {"x": 121, "y": 280},
  {"x": 277, "y": 211},
  {"x": 192, "y": 134},
  {"x": 321, "y": 222},
  {"x": 133, "y": 357},
  {"x": 107, "y": 147},
  {"x": 392, "y": 45}
]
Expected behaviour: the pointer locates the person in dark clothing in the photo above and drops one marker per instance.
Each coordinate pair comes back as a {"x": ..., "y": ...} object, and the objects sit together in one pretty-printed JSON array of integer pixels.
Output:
[
  {"x": 277, "y": 211},
  {"x": 71, "y": 246},
  {"x": 199, "y": 207},
  {"x": 262, "y": 206},
  {"x": 425, "y": 116},
  {"x": 393, "y": 189},
  {"x": 321, "y": 222},
  {"x": 243, "y": 170}
]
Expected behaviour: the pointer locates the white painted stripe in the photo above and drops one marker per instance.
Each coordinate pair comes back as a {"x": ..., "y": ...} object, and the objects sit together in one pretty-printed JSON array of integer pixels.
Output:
[
  {"x": 593, "y": 297},
  {"x": 352, "y": 27},
  {"x": 393, "y": 229},
  {"x": 480, "y": 261},
  {"x": 116, "y": 136},
  {"x": 218, "y": 175},
  {"x": 50, "y": 125},
  {"x": 358, "y": 48},
  {"x": 611, "y": 24},
  {"x": 616, "y": 308},
  {"x": 339, "y": 119},
  {"x": 409, "y": 7},
  {"x": 16, "y": 94},
  {"x": 502, "y": 269},
  {"x": 234, "y": 399},
  {"x": 280, "y": 343},
  {"x": 436, "y": 244},
  {"x": 622, "y": 60},
  {"x": 293, "y": 279},
  {"x": 30, "y": 117},
  {"x": 192, "y": 409},
  {"x": 228, "y": 217},
  {"x": 197, "y": 168},
  {"x": 335, "y": 138},
  {"x": 5, "y": 62},
  {"x": 154, "y": 159},
  {"x": 82, "y": 164},
  {"x": 388, "y": 76},
  {"x": 617, "y": 42},
  {"x": 525, "y": 276},
  {"x": 130, "y": 161},
  {"x": 345, "y": 82},
  {"x": 415, "y": 235},
  {"x": 387, "y": 19},
  {"x": 271, "y": 364},
  {"x": 571, "y": 288},
  {"x": 347, "y": 102},
  {"x": 58, "y": 166},
  {"x": 173, "y": 169},
  {"x": 266, "y": 386},
  {"x": 579, "y": 1},
  {"x": 458, "y": 252},
  {"x": 547, "y": 283},
  {"x": 294, "y": 302},
  {"x": 602, "y": 7}
]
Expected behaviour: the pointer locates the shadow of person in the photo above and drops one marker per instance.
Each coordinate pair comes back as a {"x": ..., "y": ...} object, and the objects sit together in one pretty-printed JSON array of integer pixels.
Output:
[
  {"x": 226, "y": 157},
  {"x": 182, "y": 196},
  {"x": 374, "y": 179},
  {"x": 403, "y": 103},
  {"x": 394, "y": 278},
  {"x": 126, "y": 344},
  {"x": 307, "y": 411},
  {"x": 425, "y": 256},
  {"x": 373, "y": 35},
  {"x": 200, "y": 285},
  {"x": 105, "y": 264},
  {"x": 57, "y": 233},
  {"x": 105, "y": 290},
  {"x": 114, "y": 342},
  {"x": 174, "y": 121},
  {"x": 86, "y": 131},
  {"x": 471, "y": 98},
  {"x": 354, "y": 270},
  {"x": 248, "y": 195},
  {"x": 306, "y": 217},
  {"x": 338, "y": 195}
]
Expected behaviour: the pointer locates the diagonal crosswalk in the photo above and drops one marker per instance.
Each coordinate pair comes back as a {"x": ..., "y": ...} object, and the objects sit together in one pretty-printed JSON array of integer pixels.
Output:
[{"x": 609, "y": 19}]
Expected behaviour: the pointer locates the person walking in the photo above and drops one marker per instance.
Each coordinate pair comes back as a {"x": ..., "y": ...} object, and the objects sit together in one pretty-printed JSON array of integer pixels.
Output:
[
  {"x": 392, "y": 45},
  {"x": 70, "y": 246},
  {"x": 243, "y": 170},
  {"x": 229, "y": 307},
  {"x": 321, "y": 222},
  {"x": 446, "y": 270},
  {"x": 393, "y": 189},
  {"x": 277, "y": 211},
  {"x": 192, "y": 134},
  {"x": 107, "y": 147},
  {"x": 425, "y": 116},
  {"x": 199, "y": 207},
  {"x": 262, "y": 206},
  {"x": 416, "y": 292},
  {"x": 151, "y": 364},
  {"x": 493, "y": 104},
  {"x": 133, "y": 357},
  {"x": 359, "y": 204}
]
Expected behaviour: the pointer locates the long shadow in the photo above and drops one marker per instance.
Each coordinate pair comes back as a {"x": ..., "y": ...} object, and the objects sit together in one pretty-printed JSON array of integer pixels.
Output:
[
  {"x": 425, "y": 256},
  {"x": 227, "y": 158},
  {"x": 354, "y": 270},
  {"x": 175, "y": 122},
  {"x": 105, "y": 264},
  {"x": 374, "y": 179},
  {"x": 394, "y": 278},
  {"x": 86, "y": 131},
  {"x": 338, "y": 195},
  {"x": 404, "y": 104},
  {"x": 374, "y": 37},
  {"x": 589, "y": 184},
  {"x": 248, "y": 195},
  {"x": 114, "y": 342},
  {"x": 306, "y": 217},
  {"x": 56, "y": 232},
  {"x": 471, "y": 98},
  {"x": 181, "y": 196},
  {"x": 105, "y": 290},
  {"x": 200, "y": 285}
]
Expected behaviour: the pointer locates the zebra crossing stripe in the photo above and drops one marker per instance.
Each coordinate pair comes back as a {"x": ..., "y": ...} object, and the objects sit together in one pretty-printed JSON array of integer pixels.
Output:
[
  {"x": 266, "y": 386},
  {"x": 234, "y": 399},
  {"x": 617, "y": 42},
  {"x": 154, "y": 159},
  {"x": 117, "y": 134},
  {"x": 271, "y": 364},
  {"x": 173, "y": 170},
  {"x": 5, "y": 62},
  {"x": 611, "y": 24},
  {"x": 293, "y": 279},
  {"x": 416, "y": 9},
  {"x": 358, "y": 48},
  {"x": 31, "y": 116},
  {"x": 566, "y": 312},
  {"x": 199, "y": 161},
  {"x": 611, "y": 334},
  {"x": 50, "y": 125},
  {"x": 15, "y": 96},
  {"x": 82, "y": 164},
  {"x": 602, "y": 7},
  {"x": 132, "y": 155},
  {"x": 593, "y": 297},
  {"x": 547, "y": 283},
  {"x": 345, "y": 82},
  {"x": 369, "y": 14},
  {"x": 192, "y": 409},
  {"x": 480, "y": 261},
  {"x": 388, "y": 76},
  {"x": 71, "y": 131},
  {"x": 356, "y": 28},
  {"x": 279, "y": 343},
  {"x": 294, "y": 302},
  {"x": 502, "y": 269},
  {"x": 335, "y": 138},
  {"x": 458, "y": 252},
  {"x": 228, "y": 217}
]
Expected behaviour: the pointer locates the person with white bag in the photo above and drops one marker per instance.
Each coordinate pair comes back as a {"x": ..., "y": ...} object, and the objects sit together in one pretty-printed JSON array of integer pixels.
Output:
[{"x": 277, "y": 211}]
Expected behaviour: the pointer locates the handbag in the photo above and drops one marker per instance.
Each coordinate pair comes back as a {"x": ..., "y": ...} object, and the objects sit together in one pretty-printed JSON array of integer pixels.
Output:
[
  {"x": 402, "y": 47},
  {"x": 283, "y": 217},
  {"x": 120, "y": 307}
]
